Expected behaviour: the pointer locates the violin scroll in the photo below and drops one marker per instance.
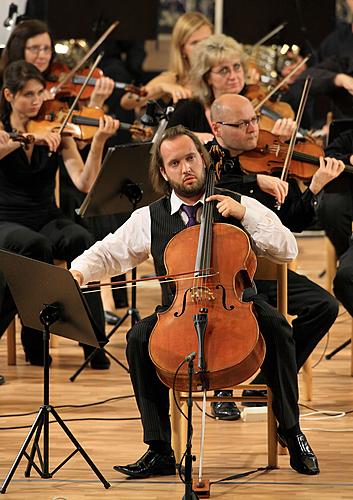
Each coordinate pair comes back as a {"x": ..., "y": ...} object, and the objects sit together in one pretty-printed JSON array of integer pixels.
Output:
[{"x": 24, "y": 140}]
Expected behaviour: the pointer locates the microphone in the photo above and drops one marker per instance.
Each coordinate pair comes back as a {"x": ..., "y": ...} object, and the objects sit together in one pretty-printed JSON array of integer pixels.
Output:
[
  {"x": 190, "y": 357},
  {"x": 11, "y": 17},
  {"x": 150, "y": 116}
]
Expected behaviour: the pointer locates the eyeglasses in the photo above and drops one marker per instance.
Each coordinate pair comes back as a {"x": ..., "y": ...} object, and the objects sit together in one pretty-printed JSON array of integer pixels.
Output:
[
  {"x": 227, "y": 70},
  {"x": 244, "y": 124},
  {"x": 35, "y": 49}
]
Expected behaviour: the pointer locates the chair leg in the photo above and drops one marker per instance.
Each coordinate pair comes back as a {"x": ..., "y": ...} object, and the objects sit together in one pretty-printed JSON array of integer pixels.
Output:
[
  {"x": 352, "y": 350},
  {"x": 308, "y": 379},
  {"x": 11, "y": 343},
  {"x": 331, "y": 264},
  {"x": 272, "y": 458}
]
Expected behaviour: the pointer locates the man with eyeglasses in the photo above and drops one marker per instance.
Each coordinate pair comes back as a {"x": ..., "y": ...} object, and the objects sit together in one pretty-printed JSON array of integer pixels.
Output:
[{"x": 236, "y": 130}]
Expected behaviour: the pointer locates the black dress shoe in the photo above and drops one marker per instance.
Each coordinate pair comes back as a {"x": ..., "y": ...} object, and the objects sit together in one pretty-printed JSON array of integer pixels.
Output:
[
  {"x": 251, "y": 393},
  {"x": 2, "y": 379},
  {"x": 111, "y": 318},
  {"x": 225, "y": 410},
  {"x": 100, "y": 360},
  {"x": 302, "y": 457},
  {"x": 36, "y": 358},
  {"x": 150, "y": 464}
]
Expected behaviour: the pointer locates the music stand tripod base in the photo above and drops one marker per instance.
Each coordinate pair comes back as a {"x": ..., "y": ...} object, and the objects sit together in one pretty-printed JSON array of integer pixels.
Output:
[{"x": 51, "y": 296}]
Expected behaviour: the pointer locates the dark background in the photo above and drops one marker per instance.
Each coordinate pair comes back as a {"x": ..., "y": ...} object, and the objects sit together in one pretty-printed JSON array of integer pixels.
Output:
[{"x": 309, "y": 21}]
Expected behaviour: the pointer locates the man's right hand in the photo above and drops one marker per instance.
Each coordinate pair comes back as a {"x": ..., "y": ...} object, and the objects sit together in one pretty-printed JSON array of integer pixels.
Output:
[
  {"x": 273, "y": 186},
  {"x": 78, "y": 276}
]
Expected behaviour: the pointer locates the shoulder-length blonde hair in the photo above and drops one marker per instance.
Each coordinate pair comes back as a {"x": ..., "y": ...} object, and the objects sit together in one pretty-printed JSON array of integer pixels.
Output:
[
  {"x": 207, "y": 54},
  {"x": 185, "y": 26}
]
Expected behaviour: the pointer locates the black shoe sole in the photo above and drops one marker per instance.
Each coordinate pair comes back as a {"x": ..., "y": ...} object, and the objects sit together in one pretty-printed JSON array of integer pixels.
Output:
[{"x": 162, "y": 472}]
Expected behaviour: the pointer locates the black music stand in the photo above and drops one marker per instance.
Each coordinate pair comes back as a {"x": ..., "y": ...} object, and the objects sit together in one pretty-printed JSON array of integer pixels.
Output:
[
  {"x": 46, "y": 295},
  {"x": 119, "y": 188}
]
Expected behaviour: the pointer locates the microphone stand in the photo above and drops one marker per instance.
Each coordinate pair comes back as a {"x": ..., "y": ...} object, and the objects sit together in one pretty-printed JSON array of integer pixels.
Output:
[
  {"x": 189, "y": 457},
  {"x": 154, "y": 112}
]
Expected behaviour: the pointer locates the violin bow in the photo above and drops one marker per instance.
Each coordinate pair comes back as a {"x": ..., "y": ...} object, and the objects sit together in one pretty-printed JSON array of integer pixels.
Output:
[
  {"x": 298, "y": 119},
  {"x": 268, "y": 36},
  {"x": 69, "y": 113},
  {"x": 281, "y": 83},
  {"x": 94, "y": 47}
]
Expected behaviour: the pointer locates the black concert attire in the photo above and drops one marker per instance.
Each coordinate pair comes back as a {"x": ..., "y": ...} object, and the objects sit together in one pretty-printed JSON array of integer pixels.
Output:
[
  {"x": 323, "y": 74},
  {"x": 336, "y": 215},
  {"x": 339, "y": 43},
  {"x": 152, "y": 395},
  {"x": 336, "y": 205},
  {"x": 315, "y": 309},
  {"x": 191, "y": 114},
  {"x": 33, "y": 226}
]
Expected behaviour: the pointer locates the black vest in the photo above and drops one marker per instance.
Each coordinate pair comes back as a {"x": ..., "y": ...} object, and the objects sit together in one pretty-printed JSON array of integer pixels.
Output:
[{"x": 164, "y": 226}]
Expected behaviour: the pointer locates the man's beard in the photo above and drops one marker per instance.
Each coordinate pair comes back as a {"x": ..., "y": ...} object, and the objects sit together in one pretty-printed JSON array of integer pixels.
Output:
[{"x": 190, "y": 190}]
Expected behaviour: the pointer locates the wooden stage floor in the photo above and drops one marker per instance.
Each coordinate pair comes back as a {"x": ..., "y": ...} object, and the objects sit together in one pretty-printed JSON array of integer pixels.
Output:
[{"x": 111, "y": 432}]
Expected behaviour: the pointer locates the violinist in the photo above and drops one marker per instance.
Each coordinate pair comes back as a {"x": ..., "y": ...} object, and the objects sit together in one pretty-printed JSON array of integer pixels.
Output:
[
  {"x": 178, "y": 170},
  {"x": 32, "y": 41},
  {"x": 30, "y": 222},
  {"x": 174, "y": 84},
  {"x": 236, "y": 131},
  {"x": 217, "y": 67}
]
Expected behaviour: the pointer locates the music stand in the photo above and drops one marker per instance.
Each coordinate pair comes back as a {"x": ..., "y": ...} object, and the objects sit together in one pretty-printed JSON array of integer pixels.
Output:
[
  {"x": 118, "y": 189},
  {"x": 46, "y": 295}
]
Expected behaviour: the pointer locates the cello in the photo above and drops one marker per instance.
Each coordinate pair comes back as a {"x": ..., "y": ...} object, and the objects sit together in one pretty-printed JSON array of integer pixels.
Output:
[{"x": 208, "y": 316}]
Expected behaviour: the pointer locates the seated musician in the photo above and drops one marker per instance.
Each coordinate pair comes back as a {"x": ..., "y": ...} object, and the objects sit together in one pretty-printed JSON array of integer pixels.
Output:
[
  {"x": 32, "y": 41},
  {"x": 236, "y": 130},
  {"x": 178, "y": 170},
  {"x": 336, "y": 213},
  {"x": 218, "y": 67},
  {"x": 30, "y": 222}
]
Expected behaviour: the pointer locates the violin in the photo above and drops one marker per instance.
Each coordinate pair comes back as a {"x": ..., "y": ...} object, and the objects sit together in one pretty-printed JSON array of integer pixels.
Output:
[
  {"x": 270, "y": 153},
  {"x": 72, "y": 86},
  {"x": 82, "y": 125},
  {"x": 271, "y": 111},
  {"x": 207, "y": 315}
]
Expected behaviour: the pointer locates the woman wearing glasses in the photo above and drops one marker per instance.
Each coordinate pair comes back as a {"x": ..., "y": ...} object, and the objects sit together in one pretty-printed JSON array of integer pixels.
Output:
[
  {"x": 218, "y": 78},
  {"x": 32, "y": 41},
  {"x": 30, "y": 222},
  {"x": 217, "y": 68}
]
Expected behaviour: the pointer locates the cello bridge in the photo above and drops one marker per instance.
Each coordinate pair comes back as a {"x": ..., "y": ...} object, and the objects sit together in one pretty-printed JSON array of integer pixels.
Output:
[{"x": 200, "y": 293}]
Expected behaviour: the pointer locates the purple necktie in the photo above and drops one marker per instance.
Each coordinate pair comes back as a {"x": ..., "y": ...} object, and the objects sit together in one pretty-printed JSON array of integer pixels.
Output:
[{"x": 191, "y": 211}]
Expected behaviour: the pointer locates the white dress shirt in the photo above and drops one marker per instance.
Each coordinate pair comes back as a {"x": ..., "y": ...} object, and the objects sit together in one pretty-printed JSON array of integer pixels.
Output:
[{"x": 130, "y": 245}]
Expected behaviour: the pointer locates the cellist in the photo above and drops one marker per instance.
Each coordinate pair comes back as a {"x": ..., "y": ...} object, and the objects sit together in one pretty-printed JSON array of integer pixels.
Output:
[
  {"x": 178, "y": 170},
  {"x": 236, "y": 131}
]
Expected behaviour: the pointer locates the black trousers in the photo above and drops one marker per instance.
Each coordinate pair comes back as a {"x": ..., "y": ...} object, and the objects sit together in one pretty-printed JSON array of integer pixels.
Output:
[
  {"x": 279, "y": 367},
  {"x": 58, "y": 239},
  {"x": 335, "y": 212},
  {"x": 343, "y": 282},
  {"x": 315, "y": 310}
]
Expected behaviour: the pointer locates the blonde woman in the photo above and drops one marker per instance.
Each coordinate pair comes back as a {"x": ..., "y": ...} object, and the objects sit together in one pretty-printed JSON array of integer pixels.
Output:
[
  {"x": 217, "y": 67},
  {"x": 190, "y": 29}
]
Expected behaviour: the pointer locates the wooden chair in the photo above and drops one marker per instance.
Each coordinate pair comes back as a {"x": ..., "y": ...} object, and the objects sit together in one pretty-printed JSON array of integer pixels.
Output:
[
  {"x": 331, "y": 267},
  {"x": 265, "y": 270}
]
